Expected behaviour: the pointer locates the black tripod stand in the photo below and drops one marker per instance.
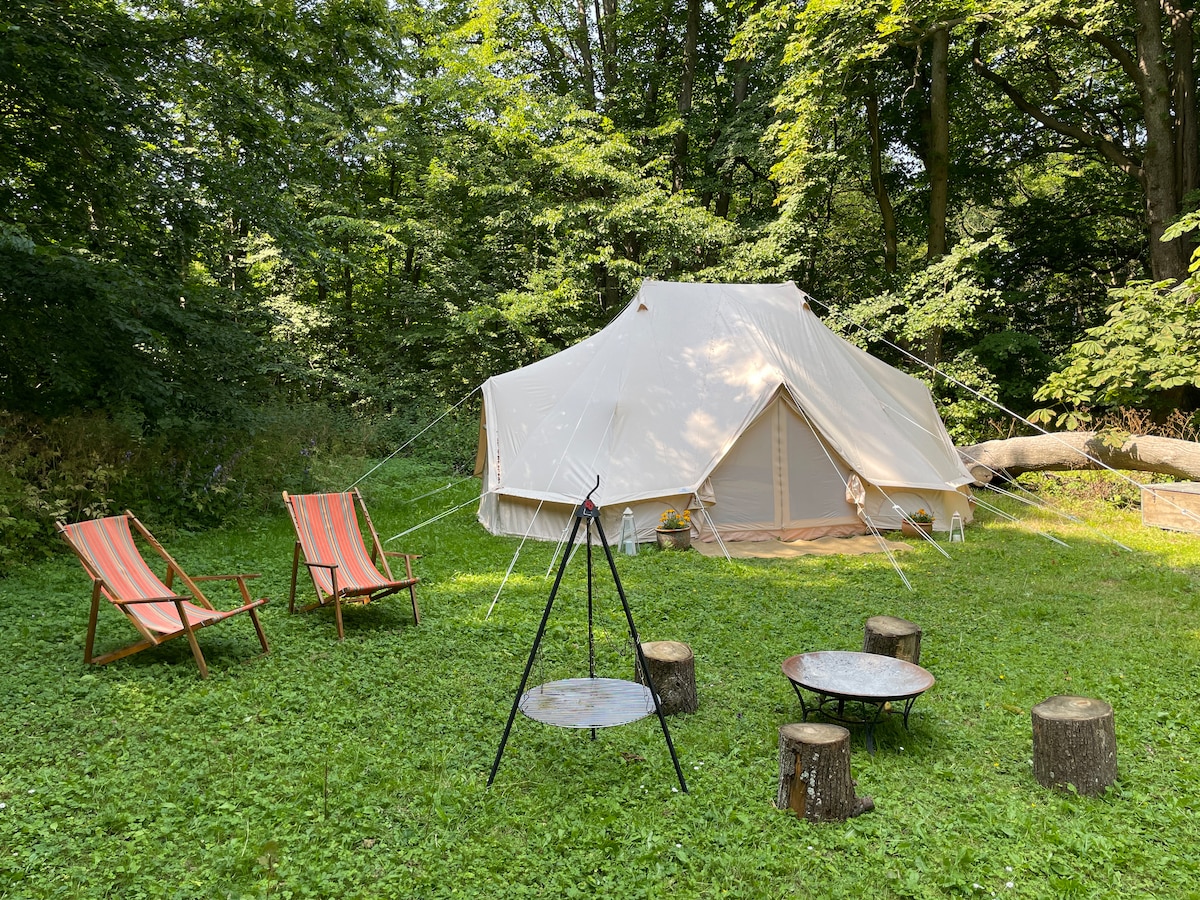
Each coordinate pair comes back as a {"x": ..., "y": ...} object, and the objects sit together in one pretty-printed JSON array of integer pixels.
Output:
[{"x": 588, "y": 702}]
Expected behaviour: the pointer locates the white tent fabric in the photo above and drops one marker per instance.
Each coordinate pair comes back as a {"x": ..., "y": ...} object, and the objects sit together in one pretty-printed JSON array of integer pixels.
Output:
[{"x": 731, "y": 397}]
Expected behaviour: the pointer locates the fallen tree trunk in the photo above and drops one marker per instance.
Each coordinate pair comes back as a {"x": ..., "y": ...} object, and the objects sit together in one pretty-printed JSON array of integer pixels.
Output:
[{"x": 1072, "y": 450}]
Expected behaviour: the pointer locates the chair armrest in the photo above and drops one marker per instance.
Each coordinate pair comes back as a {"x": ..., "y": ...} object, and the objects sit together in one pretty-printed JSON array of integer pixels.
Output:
[
  {"x": 225, "y": 577},
  {"x": 330, "y": 566},
  {"x": 162, "y": 599},
  {"x": 397, "y": 553}
]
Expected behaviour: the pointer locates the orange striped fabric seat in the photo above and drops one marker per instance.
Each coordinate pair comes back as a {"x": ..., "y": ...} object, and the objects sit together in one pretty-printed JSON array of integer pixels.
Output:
[
  {"x": 112, "y": 555},
  {"x": 330, "y": 536},
  {"x": 119, "y": 573},
  {"x": 328, "y": 529}
]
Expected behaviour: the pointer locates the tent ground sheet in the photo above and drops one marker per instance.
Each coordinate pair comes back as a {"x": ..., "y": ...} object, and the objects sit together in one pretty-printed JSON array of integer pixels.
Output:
[{"x": 826, "y": 546}]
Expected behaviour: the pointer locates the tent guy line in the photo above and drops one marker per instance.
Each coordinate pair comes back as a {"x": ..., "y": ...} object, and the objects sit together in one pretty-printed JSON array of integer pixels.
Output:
[
  {"x": 533, "y": 519},
  {"x": 1028, "y": 498},
  {"x": 1033, "y": 501},
  {"x": 995, "y": 510},
  {"x": 392, "y": 455},
  {"x": 1004, "y": 409},
  {"x": 891, "y": 557},
  {"x": 1062, "y": 514},
  {"x": 512, "y": 563},
  {"x": 439, "y": 516}
]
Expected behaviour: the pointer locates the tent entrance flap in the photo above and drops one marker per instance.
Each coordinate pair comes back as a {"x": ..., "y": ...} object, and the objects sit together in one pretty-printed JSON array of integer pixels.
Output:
[{"x": 780, "y": 481}]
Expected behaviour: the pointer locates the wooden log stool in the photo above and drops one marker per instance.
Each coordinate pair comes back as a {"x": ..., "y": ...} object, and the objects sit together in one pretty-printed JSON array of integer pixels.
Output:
[
  {"x": 1074, "y": 743},
  {"x": 814, "y": 773},
  {"x": 673, "y": 671},
  {"x": 890, "y": 636}
]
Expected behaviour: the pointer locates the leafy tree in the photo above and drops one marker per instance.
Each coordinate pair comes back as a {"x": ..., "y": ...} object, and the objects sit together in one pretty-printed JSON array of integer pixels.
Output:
[
  {"x": 1146, "y": 355},
  {"x": 1114, "y": 80}
]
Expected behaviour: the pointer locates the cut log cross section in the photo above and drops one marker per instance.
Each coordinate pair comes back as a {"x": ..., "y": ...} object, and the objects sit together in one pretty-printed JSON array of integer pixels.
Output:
[
  {"x": 673, "y": 671},
  {"x": 890, "y": 636},
  {"x": 1074, "y": 743},
  {"x": 814, "y": 773}
]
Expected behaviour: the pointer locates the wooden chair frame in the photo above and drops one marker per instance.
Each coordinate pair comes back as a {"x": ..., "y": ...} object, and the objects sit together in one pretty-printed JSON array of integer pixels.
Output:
[
  {"x": 189, "y": 620},
  {"x": 364, "y": 591}
]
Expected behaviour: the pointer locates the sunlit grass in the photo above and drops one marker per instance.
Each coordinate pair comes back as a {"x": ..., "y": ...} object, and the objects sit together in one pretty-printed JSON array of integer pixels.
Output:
[{"x": 359, "y": 769}]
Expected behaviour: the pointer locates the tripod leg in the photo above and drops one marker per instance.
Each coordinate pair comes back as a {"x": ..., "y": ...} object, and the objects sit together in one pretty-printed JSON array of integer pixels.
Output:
[
  {"x": 591, "y": 621},
  {"x": 637, "y": 646},
  {"x": 533, "y": 653}
]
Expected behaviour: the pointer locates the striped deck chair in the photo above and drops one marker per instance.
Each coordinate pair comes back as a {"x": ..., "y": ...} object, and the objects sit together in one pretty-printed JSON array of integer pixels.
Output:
[
  {"x": 119, "y": 574},
  {"x": 334, "y": 547}
]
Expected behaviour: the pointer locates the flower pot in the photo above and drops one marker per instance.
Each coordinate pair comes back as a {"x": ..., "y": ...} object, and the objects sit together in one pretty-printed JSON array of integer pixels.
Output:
[
  {"x": 915, "y": 529},
  {"x": 674, "y": 538}
]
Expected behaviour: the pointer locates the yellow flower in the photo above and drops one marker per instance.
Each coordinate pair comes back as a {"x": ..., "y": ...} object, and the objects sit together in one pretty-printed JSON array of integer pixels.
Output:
[{"x": 671, "y": 519}]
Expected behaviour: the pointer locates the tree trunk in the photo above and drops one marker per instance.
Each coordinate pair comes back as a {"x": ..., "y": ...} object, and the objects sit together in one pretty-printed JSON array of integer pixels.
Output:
[
  {"x": 886, "y": 213},
  {"x": 686, "y": 83},
  {"x": 892, "y": 636},
  {"x": 583, "y": 44},
  {"x": 814, "y": 773},
  {"x": 1158, "y": 175},
  {"x": 938, "y": 162},
  {"x": 1163, "y": 73},
  {"x": 1183, "y": 90},
  {"x": 650, "y": 109},
  {"x": 606, "y": 17},
  {"x": 1077, "y": 450},
  {"x": 741, "y": 87},
  {"x": 673, "y": 670}
]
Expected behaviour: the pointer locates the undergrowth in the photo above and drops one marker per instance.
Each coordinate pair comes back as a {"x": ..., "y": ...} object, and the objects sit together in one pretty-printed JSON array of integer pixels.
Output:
[
  {"x": 359, "y": 769},
  {"x": 189, "y": 474}
]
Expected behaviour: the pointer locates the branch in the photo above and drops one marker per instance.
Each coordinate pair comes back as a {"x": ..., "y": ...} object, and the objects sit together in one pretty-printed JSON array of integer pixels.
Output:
[
  {"x": 1105, "y": 146},
  {"x": 1123, "y": 57}
]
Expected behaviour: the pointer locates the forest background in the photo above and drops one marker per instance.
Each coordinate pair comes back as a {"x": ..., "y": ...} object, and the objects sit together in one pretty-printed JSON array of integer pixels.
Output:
[{"x": 237, "y": 235}]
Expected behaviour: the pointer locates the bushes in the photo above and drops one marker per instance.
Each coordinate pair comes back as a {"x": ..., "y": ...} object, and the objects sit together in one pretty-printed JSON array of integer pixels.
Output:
[
  {"x": 189, "y": 474},
  {"x": 192, "y": 475}
]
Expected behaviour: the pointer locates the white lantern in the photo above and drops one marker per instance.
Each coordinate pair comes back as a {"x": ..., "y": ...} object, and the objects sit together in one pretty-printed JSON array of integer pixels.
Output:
[
  {"x": 957, "y": 531},
  {"x": 627, "y": 540}
]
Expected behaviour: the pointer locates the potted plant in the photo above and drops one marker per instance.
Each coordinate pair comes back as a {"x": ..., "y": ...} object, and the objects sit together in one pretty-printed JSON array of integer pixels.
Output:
[
  {"x": 675, "y": 530},
  {"x": 919, "y": 522}
]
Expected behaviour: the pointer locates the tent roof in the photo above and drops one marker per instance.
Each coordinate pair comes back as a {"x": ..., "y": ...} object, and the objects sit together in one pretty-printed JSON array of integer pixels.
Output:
[{"x": 652, "y": 402}]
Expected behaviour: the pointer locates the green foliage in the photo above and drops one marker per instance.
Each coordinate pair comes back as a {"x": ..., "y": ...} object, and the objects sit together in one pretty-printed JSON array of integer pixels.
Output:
[
  {"x": 358, "y": 769},
  {"x": 1147, "y": 354},
  {"x": 191, "y": 476},
  {"x": 949, "y": 295},
  {"x": 211, "y": 210},
  {"x": 944, "y": 317}
]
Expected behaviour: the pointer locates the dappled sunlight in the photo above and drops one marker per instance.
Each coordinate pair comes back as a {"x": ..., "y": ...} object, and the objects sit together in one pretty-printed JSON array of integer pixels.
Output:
[
  {"x": 467, "y": 581},
  {"x": 732, "y": 365}
]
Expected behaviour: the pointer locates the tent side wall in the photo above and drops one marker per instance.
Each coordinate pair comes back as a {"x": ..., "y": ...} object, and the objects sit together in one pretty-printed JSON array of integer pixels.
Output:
[{"x": 878, "y": 506}]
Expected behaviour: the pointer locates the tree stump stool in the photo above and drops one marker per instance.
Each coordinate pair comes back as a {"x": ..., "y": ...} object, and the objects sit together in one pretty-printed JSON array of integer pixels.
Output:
[
  {"x": 1074, "y": 743},
  {"x": 673, "y": 671},
  {"x": 890, "y": 636},
  {"x": 814, "y": 773}
]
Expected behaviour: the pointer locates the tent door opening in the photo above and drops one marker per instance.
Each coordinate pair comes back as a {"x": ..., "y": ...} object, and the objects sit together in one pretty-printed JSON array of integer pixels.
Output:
[{"x": 779, "y": 480}]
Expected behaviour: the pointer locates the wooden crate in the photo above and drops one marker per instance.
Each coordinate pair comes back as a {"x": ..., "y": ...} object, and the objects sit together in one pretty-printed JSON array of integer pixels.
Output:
[{"x": 1174, "y": 506}]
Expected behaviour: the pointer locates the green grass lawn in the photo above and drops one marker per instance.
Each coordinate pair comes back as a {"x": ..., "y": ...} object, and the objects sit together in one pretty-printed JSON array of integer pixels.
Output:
[{"x": 359, "y": 769}]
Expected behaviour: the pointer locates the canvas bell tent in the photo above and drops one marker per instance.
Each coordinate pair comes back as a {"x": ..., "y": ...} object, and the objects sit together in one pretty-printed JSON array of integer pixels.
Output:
[{"x": 732, "y": 400}]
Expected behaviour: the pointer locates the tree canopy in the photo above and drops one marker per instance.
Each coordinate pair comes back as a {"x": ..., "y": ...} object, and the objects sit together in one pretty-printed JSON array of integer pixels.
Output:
[{"x": 211, "y": 206}]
